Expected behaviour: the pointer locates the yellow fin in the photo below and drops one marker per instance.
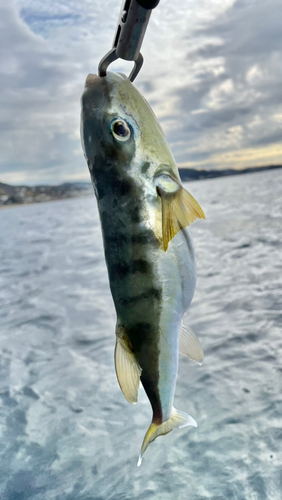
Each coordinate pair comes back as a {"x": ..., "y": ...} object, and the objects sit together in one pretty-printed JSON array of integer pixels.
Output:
[
  {"x": 189, "y": 345},
  {"x": 128, "y": 371},
  {"x": 178, "y": 419},
  {"x": 179, "y": 208}
]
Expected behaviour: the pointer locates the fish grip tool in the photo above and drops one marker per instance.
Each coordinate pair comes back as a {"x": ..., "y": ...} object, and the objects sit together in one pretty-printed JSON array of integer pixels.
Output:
[{"x": 132, "y": 24}]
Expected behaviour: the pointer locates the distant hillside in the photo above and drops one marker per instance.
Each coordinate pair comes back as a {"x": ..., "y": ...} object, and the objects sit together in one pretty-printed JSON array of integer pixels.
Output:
[
  {"x": 189, "y": 174},
  {"x": 13, "y": 195}
]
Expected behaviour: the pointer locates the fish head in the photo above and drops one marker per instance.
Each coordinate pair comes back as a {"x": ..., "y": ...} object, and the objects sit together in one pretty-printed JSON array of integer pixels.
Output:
[
  {"x": 128, "y": 156},
  {"x": 119, "y": 131},
  {"x": 100, "y": 127}
]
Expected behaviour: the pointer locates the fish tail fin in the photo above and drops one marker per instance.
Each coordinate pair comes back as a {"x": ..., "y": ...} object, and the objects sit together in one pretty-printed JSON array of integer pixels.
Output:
[{"x": 178, "y": 419}]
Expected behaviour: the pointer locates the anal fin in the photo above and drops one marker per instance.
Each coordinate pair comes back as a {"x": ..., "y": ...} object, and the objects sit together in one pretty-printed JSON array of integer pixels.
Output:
[
  {"x": 189, "y": 345},
  {"x": 128, "y": 371}
]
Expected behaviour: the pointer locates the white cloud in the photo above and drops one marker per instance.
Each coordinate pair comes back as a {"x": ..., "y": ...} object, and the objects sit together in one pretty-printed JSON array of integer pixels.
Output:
[
  {"x": 212, "y": 71},
  {"x": 255, "y": 122},
  {"x": 254, "y": 75}
]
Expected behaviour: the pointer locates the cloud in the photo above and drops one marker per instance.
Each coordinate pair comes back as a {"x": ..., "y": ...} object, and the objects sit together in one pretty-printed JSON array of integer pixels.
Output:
[
  {"x": 234, "y": 158},
  {"x": 212, "y": 73},
  {"x": 39, "y": 108},
  {"x": 245, "y": 96}
]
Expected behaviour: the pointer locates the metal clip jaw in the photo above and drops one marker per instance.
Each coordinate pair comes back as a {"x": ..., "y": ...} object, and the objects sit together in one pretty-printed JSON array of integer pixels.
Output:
[
  {"x": 131, "y": 28},
  {"x": 111, "y": 56}
]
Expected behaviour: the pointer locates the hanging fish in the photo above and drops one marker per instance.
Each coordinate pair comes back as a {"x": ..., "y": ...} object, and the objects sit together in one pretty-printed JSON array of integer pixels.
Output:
[{"x": 144, "y": 211}]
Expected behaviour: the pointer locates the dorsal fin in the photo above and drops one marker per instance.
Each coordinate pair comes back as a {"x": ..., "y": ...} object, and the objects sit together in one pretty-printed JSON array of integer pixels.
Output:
[
  {"x": 179, "y": 208},
  {"x": 128, "y": 371}
]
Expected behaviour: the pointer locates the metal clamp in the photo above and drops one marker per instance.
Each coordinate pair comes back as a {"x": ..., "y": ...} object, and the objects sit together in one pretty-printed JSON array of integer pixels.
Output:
[{"x": 131, "y": 28}]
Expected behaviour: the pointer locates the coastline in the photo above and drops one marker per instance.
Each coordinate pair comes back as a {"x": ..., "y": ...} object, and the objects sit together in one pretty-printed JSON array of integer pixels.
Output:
[{"x": 13, "y": 196}]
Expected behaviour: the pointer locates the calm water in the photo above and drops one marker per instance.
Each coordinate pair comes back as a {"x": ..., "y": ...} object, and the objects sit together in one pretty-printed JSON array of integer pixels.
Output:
[{"x": 67, "y": 433}]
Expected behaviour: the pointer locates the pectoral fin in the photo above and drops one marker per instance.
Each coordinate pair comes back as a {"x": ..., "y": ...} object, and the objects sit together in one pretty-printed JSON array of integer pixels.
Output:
[
  {"x": 128, "y": 371},
  {"x": 179, "y": 208},
  {"x": 189, "y": 345}
]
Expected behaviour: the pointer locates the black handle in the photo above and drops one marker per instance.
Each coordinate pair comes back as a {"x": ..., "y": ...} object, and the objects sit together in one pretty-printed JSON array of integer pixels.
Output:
[
  {"x": 131, "y": 28},
  {"x": 148, "y": 4}
]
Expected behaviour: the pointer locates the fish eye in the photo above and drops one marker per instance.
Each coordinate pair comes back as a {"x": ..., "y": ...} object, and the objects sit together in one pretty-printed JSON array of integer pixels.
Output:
[{"x": 120, "y": 130}]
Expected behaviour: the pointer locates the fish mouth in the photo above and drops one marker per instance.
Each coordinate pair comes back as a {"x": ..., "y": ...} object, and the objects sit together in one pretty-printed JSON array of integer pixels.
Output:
[{"x": 91, "y": 79}]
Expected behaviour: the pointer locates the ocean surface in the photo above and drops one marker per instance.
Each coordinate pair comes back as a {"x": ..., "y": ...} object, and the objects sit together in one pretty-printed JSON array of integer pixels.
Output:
[{"x": 66, "y": 431}]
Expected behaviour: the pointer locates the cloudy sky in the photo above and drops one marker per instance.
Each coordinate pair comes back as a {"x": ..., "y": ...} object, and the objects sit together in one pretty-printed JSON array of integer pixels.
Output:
[{"x": 212, "y": 73}]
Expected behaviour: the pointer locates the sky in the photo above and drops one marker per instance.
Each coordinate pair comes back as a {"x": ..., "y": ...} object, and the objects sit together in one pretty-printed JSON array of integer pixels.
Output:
[{"x": 212, "y": 74}]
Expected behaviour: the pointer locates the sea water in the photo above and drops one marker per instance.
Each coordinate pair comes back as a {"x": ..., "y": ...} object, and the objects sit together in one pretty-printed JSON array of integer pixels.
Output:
[{"x": 67, "y": 433}]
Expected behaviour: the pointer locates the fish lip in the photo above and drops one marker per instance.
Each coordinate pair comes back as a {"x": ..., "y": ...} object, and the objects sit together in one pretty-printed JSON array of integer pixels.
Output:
[{"x": 91, "y": 79}]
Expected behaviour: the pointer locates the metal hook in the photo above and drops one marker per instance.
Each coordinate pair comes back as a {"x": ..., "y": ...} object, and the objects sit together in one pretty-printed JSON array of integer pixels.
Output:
[
  {"x": 111, "y": 56},
  {"x": 137, "y": 66},
  {"x": 131, "y": 28}
]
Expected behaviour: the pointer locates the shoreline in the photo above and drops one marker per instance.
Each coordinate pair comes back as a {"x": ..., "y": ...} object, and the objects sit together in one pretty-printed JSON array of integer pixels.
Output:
[
  {"x": 15, "y": 205},
  {"x": 68, "y": 191}
]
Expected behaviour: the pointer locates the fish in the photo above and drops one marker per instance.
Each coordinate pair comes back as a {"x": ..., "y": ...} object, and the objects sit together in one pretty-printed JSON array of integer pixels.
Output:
[{"x": 144, "y": 213}]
